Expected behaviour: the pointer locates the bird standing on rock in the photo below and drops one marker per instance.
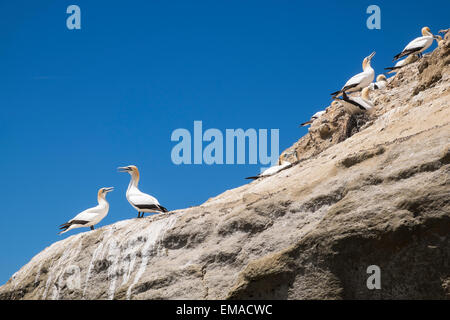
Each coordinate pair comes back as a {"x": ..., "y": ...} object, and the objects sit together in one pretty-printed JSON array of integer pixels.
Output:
[
  {"x": 359, "y": 81},
  {"x": 418, "y": 45},
  {"x": 142, "y": 202},
  {"x": 89, "y": 217},
  {"x": 360, "y": 104}
]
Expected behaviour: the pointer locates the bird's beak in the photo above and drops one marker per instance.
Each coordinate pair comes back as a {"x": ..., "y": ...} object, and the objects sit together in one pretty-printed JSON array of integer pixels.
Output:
[
  {"x": 371, "y": 55},
  {"x": 123, "y": 169},
  {"x": 109, "y": 189}
]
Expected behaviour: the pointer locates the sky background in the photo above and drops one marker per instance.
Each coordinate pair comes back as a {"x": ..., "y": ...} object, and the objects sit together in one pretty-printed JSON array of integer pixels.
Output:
[{"x": 76, "y": 104}]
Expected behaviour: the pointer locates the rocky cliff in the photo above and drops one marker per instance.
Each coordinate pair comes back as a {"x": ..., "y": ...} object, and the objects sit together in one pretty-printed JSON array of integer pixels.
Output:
[{"x": 365, "y": 190}]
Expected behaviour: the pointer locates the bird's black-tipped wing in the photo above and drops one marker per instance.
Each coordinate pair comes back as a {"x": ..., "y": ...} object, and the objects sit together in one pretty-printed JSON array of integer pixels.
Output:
[
  {"x": 406, "y": 53},
  {"x": 67, "y": 225},
  {"x": 344, "y": 89},
  {"x": 163, "y": 209},
  {"x": 71, "y": 222},
  {"x": 392, "y": 68},
  {"x": 252, "y": 178},
  {"x": 347, "y": 99},
  {"x": 155, "y": 207}
]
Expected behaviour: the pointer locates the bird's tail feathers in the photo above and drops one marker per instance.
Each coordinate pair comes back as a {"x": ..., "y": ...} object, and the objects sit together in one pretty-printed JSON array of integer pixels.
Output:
[
  {"x": 305, "y": 123},
  {"x": 66, "y": 227},
  {"x": 334, "y": 94},
  {"x": 163, "y": 209},
  {"x": 397, "y": 56}
]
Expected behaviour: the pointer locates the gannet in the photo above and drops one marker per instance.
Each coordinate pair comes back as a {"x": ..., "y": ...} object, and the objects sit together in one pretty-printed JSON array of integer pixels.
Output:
[
  {"x": 140, "y": 201},
  {"x": 272, "y": 170},
  {"x": 444, "y": 31},
  {"x": 400, "y": 64},
  {"x": 357, "y": 104},
  {"x": 418, "y": 45},
  {"x": 314, "y": 117},
  {"x": 380, "y": 84},
  {"x": 361, "y": 80},
  {"x": 89, "y": 217},
  {"x": 439, "y": 41}
]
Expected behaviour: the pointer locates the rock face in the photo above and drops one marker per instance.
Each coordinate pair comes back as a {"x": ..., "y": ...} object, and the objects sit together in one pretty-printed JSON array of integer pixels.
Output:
[{"x": 369, "y": 190}]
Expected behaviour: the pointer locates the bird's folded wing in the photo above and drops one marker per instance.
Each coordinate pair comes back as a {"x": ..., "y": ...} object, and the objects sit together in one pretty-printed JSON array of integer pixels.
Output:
[
  {"x": 87, "y": 215},
  {"x": 355, "y": 79},
  {"x": 416, "y": 43},
  {"x": 142, "y": 199}
]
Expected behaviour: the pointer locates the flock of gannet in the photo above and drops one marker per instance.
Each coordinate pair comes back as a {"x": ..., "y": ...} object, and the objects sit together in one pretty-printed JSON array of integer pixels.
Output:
[
  {"x": 142, "y": 202},
  {"x": 362, "y": 82}
]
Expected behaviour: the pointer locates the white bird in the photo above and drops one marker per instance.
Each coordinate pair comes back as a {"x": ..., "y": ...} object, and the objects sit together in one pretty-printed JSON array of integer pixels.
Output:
[
  {"x": 272, "y": 170},
  {"x": 400, "y": 64},
  {"x": 142, "y": 202},
  {"x": 314, "y": 117},
  {"x": 89, "y": 217},
  {"x": 357, "y": 104},
  {"x": 418, "y": 45},
  {"x": 361, "y": 80},
  {"x": 380, "y": 84}
]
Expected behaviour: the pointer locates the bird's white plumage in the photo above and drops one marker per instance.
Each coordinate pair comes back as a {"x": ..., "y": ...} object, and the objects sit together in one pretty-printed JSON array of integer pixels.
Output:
[
  {"x": 400, "y": 63},
  {"x": 421, "y": 43},
  {"x": 381, "y": 83},
  {"x": 378, "y": 85},
  {"x": 136, "y": 198},
  {"x": 362, "y": 79},
  {"x": 367, "y": 104},
  {"x": 93, "y": 215}
]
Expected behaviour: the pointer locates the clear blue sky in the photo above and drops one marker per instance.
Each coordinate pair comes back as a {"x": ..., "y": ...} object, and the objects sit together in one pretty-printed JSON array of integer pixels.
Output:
[{"x": 75, "y": 105}]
